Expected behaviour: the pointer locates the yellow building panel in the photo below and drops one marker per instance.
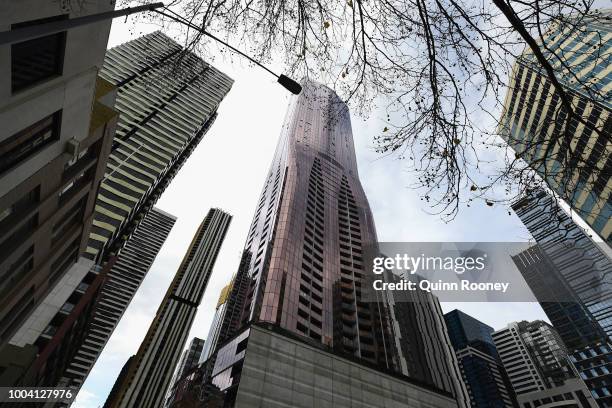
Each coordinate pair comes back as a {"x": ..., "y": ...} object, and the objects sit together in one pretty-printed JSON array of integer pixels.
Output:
[
  {"x": 109, "y": 213},
  {"x": 112, "y": 202}
]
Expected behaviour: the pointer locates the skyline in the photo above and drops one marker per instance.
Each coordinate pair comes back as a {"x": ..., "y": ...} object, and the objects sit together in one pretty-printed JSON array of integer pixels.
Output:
[
  {"x": 303, "y": 275},
  {"x": 442, "y": 160},
  {"x": 380, "y": 177}
]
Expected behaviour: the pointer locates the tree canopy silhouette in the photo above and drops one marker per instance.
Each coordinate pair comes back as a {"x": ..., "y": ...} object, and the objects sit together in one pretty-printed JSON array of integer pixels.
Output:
[{"x": 440, "y": 70}]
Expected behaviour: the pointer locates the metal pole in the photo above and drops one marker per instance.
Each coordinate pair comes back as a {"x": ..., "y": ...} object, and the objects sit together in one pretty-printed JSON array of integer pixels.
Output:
[
  {"x": 39, "y": 30},
  {"x": 291, "y": 85}
]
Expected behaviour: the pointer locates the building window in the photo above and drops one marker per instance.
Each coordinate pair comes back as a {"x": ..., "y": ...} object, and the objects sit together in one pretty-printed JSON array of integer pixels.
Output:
[
  {"x": 18, "y": 236},
  {"x": 17, "y": 270},
  {"x": 65, "y": 260},
  {"x": 17, "y": 314},
  {"x": 28, "y": 141},
  {"x": 12, "y": 214},
  {"x": 39, "y": 59},
  {"x": 68, "y": 221}
]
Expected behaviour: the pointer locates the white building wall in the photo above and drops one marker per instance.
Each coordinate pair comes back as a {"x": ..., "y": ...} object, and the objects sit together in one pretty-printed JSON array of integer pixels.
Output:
[
  {"x": 36, "y": 323},
  {"x": 72, "y": 91}
]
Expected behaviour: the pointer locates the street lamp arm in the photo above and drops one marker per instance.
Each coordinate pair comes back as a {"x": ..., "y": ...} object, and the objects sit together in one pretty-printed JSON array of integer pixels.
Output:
[
  {"x": 206, "y": 33},
  {"x": 291, "y": 85},
  {"x": 39, "y": 30}
]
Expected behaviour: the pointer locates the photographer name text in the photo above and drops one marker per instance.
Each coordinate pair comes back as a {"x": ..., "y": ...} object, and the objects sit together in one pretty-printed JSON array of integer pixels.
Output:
[{"x": 440, "y": 286}]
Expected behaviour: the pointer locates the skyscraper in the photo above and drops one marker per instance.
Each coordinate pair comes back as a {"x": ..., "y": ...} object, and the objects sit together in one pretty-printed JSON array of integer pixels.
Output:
[
  {"x": 148, "y": 376},
  {"x": 574, "y": 259},
  {"x": 536, "y": 361},
  {"x": 215, "y": 327},
  {"x": 533, "y": 119},
  {"x": 122, "y": 281},
  {"x": 56, "y": 128},
  {"x": 210, "y": 344},
  {"x": 519, "y": 364},
  {"x": 189, "y": 359},
  {"x": 481, "y": 368},
  {"x": 167, "y": 99},
  {"x": 308, "y": 232},
  {"x": 594, "y": 364},
  {"x": 295, "y": 319},
  {"x": 53, "y": 149},
  {"x": 570, "y": 276},
  {"x": 422, "y": 346},
  {"x": 572, "y": 319}
]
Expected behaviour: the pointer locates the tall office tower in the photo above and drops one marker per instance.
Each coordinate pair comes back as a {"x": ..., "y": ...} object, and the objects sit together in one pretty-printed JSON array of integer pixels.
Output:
[
  {"x": 572, "y": 284},
  {"x": 594, "y": 364},
  {"x": 295, "y": 321},
  {"x": 572, "y": 258},
  {"x": 215, "y": 327},
  {"x": 519, "y": 364},
  {"x": 190, "y": 359},
  {"x": 569, "y": 316},
  {"x": 167, "y": 104},
  {"x": 533, "y": 118},
  {"x": 56, "y": 130},
  {"x": 190, "y": 356},
  {"x": 422, "y": 346},
  {"x": 149, "y": 374},
  {"x": 536, "y": 362},
  {"x": 122, "y": 281},
  {"x": 168, "y": 99},
  {"x": 481, "y": 367}
]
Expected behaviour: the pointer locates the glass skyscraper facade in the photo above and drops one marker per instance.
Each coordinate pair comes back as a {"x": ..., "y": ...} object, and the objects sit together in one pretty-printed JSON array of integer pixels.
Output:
[
  {"x": 464, "y": 330},
  {"x": 533, "y": 118},
  {"x": 300, "y": 279},
  {"x": 569, "y": 275},
  {"x": 576, "y": 324},
  {"x": 481, "y": 367},
  {"x": 581, "y": 266}
]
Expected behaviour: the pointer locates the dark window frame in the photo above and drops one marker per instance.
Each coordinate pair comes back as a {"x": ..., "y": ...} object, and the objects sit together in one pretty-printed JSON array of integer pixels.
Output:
[
  {"x": 21, "y": 54},
  {"x": 29, "y": 141}
]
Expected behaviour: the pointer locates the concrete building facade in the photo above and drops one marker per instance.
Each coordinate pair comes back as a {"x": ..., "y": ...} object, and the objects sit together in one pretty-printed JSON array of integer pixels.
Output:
[
  {"x": 166, "y": 106},
  {"x": 71, "y": 366},
  {"x": 538, "y": 366},
  {"x": 57, "y": 124}
]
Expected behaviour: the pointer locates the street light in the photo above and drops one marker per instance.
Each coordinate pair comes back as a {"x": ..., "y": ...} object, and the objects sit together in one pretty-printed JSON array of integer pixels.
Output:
[
  {"x": 39, "y": 30},
  {"x": 291, "y": 85}
]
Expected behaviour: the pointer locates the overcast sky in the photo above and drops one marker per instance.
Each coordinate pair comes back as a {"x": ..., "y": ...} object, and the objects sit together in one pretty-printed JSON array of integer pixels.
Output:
[{"x": 228, "y": 170}]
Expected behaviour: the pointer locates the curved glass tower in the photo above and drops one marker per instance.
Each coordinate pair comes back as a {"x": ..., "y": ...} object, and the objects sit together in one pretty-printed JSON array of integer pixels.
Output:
[
  {"x": 305, "y": 245},
  {"x": 296, "y": 310}
]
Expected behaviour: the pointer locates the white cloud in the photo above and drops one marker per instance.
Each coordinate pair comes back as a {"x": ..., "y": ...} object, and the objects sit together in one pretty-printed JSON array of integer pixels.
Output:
[{"x": 86, "y": 399}]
